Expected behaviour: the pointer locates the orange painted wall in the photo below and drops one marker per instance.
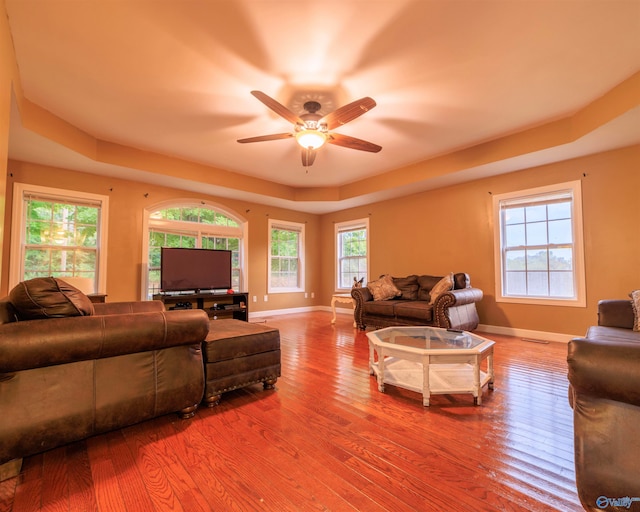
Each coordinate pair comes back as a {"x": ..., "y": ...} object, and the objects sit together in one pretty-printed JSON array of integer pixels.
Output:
[
  {"x": 127, "y": 201},
  {"x": 7, "y": 75},
  {"x": 451, "y": 230},
  {"x": 434, "y": 232}
]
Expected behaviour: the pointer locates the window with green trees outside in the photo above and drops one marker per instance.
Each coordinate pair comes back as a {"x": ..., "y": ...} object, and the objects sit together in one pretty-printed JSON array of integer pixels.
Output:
[{"x": 61, "y": 239}]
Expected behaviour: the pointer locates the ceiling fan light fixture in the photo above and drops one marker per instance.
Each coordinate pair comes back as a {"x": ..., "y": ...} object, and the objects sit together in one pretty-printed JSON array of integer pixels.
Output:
[
  {"x": 312, "y": 130},
  {"x": 313, "y": 139}
]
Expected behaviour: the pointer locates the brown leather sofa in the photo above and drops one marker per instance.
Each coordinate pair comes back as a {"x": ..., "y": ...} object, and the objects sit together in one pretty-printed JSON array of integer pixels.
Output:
[
  {"x": 64, "y": 378},
  {"x": 604, "y": 391},
  {"x": 453, "y": 309}
]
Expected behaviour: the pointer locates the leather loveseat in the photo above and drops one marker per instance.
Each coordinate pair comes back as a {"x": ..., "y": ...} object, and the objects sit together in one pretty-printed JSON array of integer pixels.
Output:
[
  {"x": 420, "y": 300},
  {"x": 604, "y": 391},
  {"x": 70, "y": 369}
]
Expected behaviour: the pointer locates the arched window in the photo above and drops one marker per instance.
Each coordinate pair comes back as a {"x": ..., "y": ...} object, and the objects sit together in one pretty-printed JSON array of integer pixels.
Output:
[{"x": 197, "y": 224}]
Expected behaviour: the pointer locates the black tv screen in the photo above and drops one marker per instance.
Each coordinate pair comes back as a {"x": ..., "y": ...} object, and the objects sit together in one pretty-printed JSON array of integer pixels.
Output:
[{"x": 184, "y": 269}]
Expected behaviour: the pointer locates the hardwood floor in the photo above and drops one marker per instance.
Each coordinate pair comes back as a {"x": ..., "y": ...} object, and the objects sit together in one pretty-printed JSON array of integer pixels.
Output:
[{"x": 326, "y": 439}]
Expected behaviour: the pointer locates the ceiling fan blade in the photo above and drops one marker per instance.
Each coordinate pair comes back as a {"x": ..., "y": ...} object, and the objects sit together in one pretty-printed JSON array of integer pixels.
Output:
[
  {"x": 308, "y": 156},
  {"x": 348, "y": 112},
  {"x": 262, "y": 138},
  {"x": 277, "y": 107},
  {"x": 353, "y": 143}
]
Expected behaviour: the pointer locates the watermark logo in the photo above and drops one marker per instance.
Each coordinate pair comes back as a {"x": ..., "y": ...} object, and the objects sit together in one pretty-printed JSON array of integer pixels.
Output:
[{"x": 624, "y": 502}]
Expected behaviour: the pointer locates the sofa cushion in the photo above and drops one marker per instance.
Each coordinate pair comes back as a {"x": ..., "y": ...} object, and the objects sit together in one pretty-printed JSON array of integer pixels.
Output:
[
  {"x": 408, "y": 286},
  {"x": 48, "y": 297},
  {"x": 635, "y": 303},
  {"x": 383, "y": 288},
  {"x": 414, "y": 310},
  {"x": 425, "y": 284},
  {"x": 444, "y": 285},
  {"x": 380, "y": 307}
]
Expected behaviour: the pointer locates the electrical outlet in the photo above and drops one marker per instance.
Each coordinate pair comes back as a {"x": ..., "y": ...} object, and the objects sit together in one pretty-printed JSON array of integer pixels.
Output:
[
  {"x": 266, "y": 298},
  {"x": 255, "y": 299},
  {"x": 306, "y": 295},
  {"x": 313, "y": 295}
]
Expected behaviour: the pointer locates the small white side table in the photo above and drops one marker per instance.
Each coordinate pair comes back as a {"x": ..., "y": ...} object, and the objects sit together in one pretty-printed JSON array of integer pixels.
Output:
[{"x": 340, "y": 297}]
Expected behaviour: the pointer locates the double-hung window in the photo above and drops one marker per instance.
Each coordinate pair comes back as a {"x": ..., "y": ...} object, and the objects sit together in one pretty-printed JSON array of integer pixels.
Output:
[
  {"x": 352, "y": 253},
  {"x": 539, "y": 248},
  {"x": 59, "y": 233},
  {"x": 286, "y": 256}
]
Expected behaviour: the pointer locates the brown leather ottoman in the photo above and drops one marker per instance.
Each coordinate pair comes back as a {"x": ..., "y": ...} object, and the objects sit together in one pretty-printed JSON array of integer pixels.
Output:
[{"x": 237, "y": 354}]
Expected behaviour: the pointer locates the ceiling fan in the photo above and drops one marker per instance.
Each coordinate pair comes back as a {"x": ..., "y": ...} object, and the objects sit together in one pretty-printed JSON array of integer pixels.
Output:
[{"x": 312, "y": 131}]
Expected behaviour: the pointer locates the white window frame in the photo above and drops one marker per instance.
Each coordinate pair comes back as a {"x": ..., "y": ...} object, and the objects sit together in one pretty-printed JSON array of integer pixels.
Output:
[
  {"x": 18, "y": 230},
  {"x": 351, "y": 225},
  {"x": 194, "y": 229},
  {"x": 574, "y": 189},
  {"x": 293, "y": 226}
]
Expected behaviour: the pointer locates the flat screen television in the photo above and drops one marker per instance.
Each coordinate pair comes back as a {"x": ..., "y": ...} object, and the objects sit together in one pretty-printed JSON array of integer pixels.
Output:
[{"x": 183, "y": 269}]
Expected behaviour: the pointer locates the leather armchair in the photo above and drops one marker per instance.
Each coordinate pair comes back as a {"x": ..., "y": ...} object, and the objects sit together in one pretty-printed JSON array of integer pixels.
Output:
[
  {"x": 604, "y": 391},
  {"x": 64, "y": 379}
]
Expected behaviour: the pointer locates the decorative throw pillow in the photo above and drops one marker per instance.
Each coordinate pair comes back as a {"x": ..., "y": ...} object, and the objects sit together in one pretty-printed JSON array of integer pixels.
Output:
[
  {"x": 408, "y": 287},
  {"x": 635, "y": 302},
  {"x": 48, "y": 297},
  {"x": 444, "y": 285},
  {"x": 425, "y": 284},
  {"x": 383, "y": 288}
]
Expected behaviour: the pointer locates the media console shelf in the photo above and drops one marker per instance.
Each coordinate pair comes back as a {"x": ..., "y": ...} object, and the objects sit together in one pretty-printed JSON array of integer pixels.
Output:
[{"x": 217, "y": 305}]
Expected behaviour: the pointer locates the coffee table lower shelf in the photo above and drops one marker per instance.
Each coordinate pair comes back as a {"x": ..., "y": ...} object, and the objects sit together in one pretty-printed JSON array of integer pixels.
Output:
[{"x": 444, "y": 379}]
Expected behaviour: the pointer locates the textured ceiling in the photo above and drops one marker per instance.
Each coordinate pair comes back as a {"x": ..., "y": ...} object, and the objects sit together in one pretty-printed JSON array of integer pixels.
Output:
[{"x": 174, "y": 78}]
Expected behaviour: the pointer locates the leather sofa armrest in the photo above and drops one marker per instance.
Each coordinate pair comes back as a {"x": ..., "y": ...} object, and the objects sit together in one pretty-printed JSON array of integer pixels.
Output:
[
  {"x": 361, "y": 294},
  {"x": 8, "y": 313},
  {"x": 456, "y": 309},
  {"x": 40, "y": 343},
  {"x": 615, "y": 313},
  {"x": 460, "y": 297},
  {"x": 605, "y": 369}
]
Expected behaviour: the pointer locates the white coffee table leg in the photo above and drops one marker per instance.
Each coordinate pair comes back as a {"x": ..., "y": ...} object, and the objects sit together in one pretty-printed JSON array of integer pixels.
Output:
[
  {"x": 371, "y": 358},
  {"x": 477, "y": 389},
  {"x": 426, "y": 391},
  {"x": 381, "y": 371}
]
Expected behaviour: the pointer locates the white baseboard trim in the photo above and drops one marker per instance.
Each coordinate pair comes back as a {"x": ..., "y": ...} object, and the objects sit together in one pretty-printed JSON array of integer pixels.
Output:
[
  {"x": 527, "y": 334},
  {"x": 287, "y": 311},
  {"x": 305, "y": 309}
]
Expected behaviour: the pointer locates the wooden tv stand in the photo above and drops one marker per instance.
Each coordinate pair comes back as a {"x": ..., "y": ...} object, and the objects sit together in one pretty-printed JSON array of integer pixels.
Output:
[{"x": 218, "y": 305}]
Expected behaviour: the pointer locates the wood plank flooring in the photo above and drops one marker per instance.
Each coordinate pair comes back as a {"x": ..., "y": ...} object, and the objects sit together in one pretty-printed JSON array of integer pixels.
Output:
[{"x": 326, "y": 439}]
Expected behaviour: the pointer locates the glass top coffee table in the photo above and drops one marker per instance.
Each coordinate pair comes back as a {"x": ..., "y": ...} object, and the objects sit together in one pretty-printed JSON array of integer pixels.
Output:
[{"x": 430, "y": 360}]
